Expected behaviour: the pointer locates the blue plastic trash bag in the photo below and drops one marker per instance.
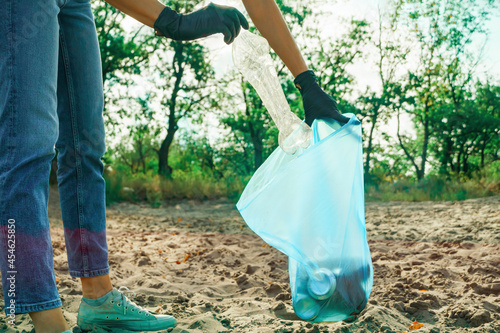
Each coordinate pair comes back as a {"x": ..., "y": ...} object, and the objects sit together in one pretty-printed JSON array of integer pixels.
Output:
[{"x": 310, "y": 206}]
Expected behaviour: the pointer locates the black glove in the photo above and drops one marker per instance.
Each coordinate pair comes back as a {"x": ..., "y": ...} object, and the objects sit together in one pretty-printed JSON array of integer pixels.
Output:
[
  {"x": 317, "y": 103},
  {"x": 204, "y": 22}
]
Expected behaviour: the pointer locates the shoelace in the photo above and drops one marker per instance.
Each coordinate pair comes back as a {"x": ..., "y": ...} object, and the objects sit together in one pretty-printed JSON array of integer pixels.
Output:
[
  {"x": 126, "y": 302},
  {"x": 124, "y": 290}
]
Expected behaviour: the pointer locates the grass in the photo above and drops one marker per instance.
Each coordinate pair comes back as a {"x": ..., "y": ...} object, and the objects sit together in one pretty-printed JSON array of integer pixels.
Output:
[
  {"x": 155, "y": 189},
  {"x": 151, "y": 188},
  {"x": 432, "y": 189},
  {"x": 482, "y": 183}
]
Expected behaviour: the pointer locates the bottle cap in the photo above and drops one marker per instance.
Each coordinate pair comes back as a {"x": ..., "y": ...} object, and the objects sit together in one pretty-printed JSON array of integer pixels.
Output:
[
  {"x": 306, "y": 307},
  {"x": 322, "y": 285}
]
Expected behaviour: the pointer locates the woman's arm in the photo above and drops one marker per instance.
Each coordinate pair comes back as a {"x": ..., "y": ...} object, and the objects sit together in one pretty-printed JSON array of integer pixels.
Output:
[
  {"x": 228, "y": 20},
  {"x": 267, "y": 18},
  {"x": 144, "y": 11},
  {"x": 203, "y": 22},
  {"x": 264, "y": 13}
]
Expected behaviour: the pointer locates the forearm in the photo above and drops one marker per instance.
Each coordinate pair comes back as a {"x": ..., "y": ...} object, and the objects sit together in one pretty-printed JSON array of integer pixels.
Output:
[
  {"x": 144, "y": 11},
  {"x": 267, "y": 18}
]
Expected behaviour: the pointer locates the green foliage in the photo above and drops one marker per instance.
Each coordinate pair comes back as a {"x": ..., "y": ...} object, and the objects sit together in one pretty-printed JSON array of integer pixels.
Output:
[
  {"x": 433, "y": 188},
  {"x": 426, "y": 61},
  {"x": 202, "y": 173},
  {"x": 119, "y": 52},
  {"x": 123, "y": 58},
  {"x": 438, "y": 90},
  {"x": 155, "y": 189},
  {"x": 252, "y": 125}
]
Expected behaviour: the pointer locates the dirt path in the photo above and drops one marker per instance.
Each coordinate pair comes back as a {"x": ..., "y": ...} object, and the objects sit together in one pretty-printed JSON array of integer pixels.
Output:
[{"x": 438, "y": 263}]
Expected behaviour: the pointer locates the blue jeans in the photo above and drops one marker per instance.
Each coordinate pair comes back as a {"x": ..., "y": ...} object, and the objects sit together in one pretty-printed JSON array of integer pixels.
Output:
[{"x": 51, "y": 96}]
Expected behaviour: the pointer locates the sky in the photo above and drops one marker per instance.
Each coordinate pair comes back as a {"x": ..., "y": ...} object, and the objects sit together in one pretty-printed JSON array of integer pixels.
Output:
[
  {"x": 363, "y": 70},
  {"x": 360, "y": 9}
]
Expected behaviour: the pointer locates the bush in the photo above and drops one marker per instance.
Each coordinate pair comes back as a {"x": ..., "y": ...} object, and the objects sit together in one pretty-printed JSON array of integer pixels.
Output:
[
  {"x": 205, "y": 184},
  {"x": 432, "y": 188},
  {"x": 155, "y": 189}
]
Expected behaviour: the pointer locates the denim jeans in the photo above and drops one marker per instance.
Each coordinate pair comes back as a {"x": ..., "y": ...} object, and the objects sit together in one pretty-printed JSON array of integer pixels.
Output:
[{"x": 51, "y": 97}]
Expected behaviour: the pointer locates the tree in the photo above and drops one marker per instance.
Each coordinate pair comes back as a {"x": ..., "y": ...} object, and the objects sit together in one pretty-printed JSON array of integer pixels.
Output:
[
  {"x": 375, "y": 106},
  {"x": 187, "y": 73},
  {"x": 253, "y": 123},
  {"x": 443, "y": 31},
  {"x": 330, "y": 62},
  {"x": 139, "y": 146},
  {"x": 122, "y": 56}
]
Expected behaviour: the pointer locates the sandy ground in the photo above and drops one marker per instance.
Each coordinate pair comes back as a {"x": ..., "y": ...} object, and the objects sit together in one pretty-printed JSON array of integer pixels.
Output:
[{"x": 434, "y": 262}]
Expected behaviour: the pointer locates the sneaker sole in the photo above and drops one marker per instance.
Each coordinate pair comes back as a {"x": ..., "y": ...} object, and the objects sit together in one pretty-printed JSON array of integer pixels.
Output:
[{"x": 131, "y": 326}]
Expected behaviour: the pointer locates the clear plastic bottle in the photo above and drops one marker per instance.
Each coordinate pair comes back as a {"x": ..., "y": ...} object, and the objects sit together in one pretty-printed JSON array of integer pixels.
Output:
[{"x": 251, "y": 57}]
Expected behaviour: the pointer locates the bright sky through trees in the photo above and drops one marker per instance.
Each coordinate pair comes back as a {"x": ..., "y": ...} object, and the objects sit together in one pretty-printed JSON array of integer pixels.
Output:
[{"x": 364, "y": 70}]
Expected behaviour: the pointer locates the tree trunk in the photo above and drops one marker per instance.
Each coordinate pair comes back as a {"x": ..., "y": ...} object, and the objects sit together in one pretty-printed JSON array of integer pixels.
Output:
[
  {"x": 370, "y": 146},
  {"x": 163, "y": 168},
  {"x": 142, "y": 158},
  {"x": 258, "y": 152},
  {"x": 466, "y": 164},
  {"x": 483, "y": 149},
  {"x": 447, "y": 156},
  {"x": 258, "y": 148},
  {"x": 459, "y": 160},
  {"x": 421, "y": 172},
  {"x": 407, "y": 153}
]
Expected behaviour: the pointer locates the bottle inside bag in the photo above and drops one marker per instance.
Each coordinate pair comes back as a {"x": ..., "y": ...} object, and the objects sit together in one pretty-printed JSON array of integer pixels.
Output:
[{"x": 342, "y": 292}]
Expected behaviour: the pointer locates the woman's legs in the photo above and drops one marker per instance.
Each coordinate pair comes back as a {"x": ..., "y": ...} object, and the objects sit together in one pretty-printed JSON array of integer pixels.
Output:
[
  {"x": 45, "y": 73},
  {"x": 96, "y": 286},
  {"x": 29, "y": 47},
  {"x": 81, "y": 142},
  {"x": 81, "y": 145},
  {"x": 49, "y": 321}
]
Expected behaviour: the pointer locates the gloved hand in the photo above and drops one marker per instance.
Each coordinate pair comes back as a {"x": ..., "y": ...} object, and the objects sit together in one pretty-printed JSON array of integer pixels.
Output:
[
  {"x": 204, "y": 22},
  {"x": 317, "y": 103}
]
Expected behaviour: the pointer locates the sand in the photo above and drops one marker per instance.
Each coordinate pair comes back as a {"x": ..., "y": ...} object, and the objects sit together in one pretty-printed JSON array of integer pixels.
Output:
[{"x": 434, "y": 262}]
